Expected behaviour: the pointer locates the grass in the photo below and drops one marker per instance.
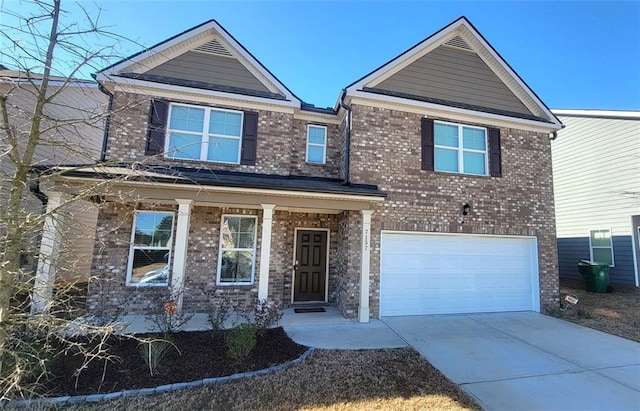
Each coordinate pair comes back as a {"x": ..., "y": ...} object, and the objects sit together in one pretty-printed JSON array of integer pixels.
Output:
[
  {"x": 397, "y": 379},
  {"x": 616, "y": 313}
]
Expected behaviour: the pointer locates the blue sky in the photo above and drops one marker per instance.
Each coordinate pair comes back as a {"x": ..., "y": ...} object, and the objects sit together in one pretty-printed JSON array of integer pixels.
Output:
[{"x": 572, "y": 54}]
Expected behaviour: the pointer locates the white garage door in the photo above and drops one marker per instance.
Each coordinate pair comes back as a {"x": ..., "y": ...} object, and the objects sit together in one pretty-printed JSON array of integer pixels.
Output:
[{"x": 443, "y": 274}]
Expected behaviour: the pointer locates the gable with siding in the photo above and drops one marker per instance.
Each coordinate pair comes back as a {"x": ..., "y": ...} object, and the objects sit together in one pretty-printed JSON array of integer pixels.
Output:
[{"x": 456, "y": 75}]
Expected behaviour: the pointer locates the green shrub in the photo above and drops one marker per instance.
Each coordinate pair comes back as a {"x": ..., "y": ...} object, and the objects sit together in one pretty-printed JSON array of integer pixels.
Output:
[{"x": 240, "y": 341}]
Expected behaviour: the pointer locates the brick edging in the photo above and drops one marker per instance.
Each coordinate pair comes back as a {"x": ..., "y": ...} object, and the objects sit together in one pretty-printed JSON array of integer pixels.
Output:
[{"x": 93, "y": 398}]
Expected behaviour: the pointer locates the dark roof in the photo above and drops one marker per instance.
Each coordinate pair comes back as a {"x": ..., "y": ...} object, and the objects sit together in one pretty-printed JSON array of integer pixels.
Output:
[
  {"x": 220, "y": 178},
  {"x": 456, "y": 104},
  {"x": 310, "y": 107},
  {"x": 202, "y": 85}
]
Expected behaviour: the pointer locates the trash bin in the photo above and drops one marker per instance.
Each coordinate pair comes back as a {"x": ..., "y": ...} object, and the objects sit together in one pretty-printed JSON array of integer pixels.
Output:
[{"x": 595, "y": 275}]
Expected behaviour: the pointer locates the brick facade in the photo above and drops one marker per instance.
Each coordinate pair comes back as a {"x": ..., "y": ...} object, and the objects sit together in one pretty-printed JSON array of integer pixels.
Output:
[{"x": 386, "y": 151}]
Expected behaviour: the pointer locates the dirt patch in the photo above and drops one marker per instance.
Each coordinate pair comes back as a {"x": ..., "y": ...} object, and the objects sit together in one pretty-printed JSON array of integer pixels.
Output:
[
  {"x": 197, "y": 355},
  {"x": 616, "y": 313},
  {"x": 398, "y": 379}
]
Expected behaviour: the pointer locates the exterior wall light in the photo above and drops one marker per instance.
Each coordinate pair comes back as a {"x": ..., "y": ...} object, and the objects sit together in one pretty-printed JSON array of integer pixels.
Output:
[{"x": 466, "y": 208}]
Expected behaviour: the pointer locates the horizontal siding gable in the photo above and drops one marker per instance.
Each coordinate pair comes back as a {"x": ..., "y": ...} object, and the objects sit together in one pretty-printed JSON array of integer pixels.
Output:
[
  {"x": 209, "y": 68},
  {"x": 456, "y": 75}
]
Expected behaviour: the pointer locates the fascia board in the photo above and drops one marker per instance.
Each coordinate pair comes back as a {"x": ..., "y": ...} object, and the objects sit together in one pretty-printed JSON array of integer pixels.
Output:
[
  {"x": 122, "y": 81},
  {"x": 597, "y": 113},
  {"x": 421, "y": 106}
]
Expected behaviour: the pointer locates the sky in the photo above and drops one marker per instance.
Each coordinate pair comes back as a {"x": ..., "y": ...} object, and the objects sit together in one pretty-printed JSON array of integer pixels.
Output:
[{"x": 574, "y": 55}]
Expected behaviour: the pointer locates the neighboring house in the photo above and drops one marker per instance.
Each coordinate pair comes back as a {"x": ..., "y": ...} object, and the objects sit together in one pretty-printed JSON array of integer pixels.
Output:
[
  {"x": 596, "y": 173},
  {"x": 426, "y": 189},
  {"x": 74, "y": 136}
]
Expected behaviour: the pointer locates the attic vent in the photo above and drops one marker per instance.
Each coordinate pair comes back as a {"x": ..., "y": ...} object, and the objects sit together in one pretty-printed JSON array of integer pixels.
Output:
[
  {"x": 213, "y": 47},
  {"x": 458, "y": 42}
]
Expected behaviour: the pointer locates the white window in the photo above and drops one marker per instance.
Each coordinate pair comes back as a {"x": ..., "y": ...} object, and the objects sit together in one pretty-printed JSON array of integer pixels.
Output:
[
  {"x": 150, "y": 251},
  {"x": 601, "y": 246},
  {"x": 236, "y": 259},
  {"x": 316, "y": 144},
  {"x": 460, "y": 149},
  {"x": 205, "y": 134}
]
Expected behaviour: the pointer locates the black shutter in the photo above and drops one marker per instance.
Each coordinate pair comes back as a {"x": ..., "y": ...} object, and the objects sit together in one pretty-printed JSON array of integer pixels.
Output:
[
  {"x": 157, "y": 127},
  {"x": 249, "y": 139},
  {"x": 495, "y": 160},
  {"x": 427, "y": 144}
]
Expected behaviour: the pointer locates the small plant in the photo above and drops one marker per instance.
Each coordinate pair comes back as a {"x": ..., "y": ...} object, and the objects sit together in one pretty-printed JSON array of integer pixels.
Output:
[
  {"x": 218, "y": 312},
  {"x": 154, "y": 350},
  {"x": 241, "y": 340},
  {"x": 266, "y": 314},
  {"x": 168, "y": 319}
]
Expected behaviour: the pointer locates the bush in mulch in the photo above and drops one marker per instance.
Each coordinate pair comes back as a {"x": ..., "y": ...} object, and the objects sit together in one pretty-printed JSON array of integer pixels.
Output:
[{"x": 196, "y": 355}]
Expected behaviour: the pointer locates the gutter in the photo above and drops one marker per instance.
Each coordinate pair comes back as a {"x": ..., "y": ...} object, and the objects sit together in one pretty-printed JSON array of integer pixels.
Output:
[
  {"x": 347, "y": 151},
  {"x": 107, "y": 122}
]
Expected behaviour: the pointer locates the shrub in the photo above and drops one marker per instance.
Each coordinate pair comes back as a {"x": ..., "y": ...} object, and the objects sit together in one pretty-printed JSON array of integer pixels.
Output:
[
  {"x": 266, "y": 314},
  {"x": 218, "y": 312},
  {"x": 240, "y": 341},
  {"x": 154, "y": 350}
]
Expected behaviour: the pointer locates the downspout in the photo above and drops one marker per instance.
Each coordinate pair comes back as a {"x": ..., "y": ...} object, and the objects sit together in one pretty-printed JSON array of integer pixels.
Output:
[
  {"x": 347, "y": 142},
  {"x": 34, "y": 187},
  {"x": 107, "y": 121}
]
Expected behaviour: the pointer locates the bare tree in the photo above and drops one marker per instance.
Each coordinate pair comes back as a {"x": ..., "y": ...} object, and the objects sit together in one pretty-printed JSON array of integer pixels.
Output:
[{"x": 44, "y": 52}]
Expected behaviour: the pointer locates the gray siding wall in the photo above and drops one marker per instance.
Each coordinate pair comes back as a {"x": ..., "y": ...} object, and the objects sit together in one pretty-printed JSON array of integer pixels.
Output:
[
  {"x": 196, "y": 66},
  {"x": 455, "y": 75},
  {"x": 570, "y": 250}
]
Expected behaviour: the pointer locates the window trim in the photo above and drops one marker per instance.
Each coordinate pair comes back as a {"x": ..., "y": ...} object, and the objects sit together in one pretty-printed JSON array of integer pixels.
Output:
[
  {"x": 219, "y": 281},
  {"x": 204, "y": 134},
  {"x": 591, "y": 247},
  {"x": 324, "y": 146},
  {"x": 461, "y": 150},
  {"x": 133, "y": 247}
]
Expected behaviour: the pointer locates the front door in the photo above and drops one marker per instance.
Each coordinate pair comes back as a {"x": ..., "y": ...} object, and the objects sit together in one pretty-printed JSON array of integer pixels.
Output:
[{"x": 310, "y": 266}]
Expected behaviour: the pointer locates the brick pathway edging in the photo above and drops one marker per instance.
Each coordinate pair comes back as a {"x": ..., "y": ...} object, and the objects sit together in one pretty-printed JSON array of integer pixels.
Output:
[{"x": 155, "y": 390}]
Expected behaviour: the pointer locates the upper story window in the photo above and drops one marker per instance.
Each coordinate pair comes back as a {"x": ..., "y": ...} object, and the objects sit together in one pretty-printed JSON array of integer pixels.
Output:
[
  {"x": 150, "y": 250},
  {"x": 316, "y": 144},
  {"x": 460, "y": 148},
  {"x": 205, "y": 134},
  {"x": 601, "y": 246}
]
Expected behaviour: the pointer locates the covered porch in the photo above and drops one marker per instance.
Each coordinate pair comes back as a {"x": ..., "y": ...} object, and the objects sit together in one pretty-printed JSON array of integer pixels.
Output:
[{"x": 310, "y": 239}]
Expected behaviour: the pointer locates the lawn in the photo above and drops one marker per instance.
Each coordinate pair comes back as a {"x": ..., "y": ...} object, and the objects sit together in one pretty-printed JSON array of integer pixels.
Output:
[
  {"x": 394, "y": 379},
  {"x": 616, "y": 313}
]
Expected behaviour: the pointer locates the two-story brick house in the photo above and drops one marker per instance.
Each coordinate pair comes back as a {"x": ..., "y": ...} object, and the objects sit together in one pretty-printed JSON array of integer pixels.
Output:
[{"x": 426, "y": 189}]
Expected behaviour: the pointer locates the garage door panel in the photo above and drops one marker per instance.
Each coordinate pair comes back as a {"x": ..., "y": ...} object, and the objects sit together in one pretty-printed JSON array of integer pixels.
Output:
[{"x": 430, "y": 274}]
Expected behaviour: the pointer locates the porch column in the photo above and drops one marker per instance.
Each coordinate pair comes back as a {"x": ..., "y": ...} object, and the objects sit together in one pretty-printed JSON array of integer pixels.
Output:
[
  {"x": 265, "y": 251},
  {"x": 48, "y": 257},
  {"x": 365, "y": 254},
  {"x": 180, "y": 251}
]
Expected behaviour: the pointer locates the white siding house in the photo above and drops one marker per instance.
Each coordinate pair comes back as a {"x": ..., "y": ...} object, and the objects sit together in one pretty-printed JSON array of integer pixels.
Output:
[{"x": 596, "y": 173}]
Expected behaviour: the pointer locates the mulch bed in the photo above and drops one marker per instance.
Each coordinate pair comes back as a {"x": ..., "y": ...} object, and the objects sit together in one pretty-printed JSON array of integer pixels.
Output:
[{"x": 203, "y": 355}]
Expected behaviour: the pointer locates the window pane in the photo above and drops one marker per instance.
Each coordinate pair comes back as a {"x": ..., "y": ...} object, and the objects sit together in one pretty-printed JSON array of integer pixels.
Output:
[
  {"x": 315, "y": 154},
  {"x": 316, "y": 135},
  {"x": 223, "y": 149},
  {"x": 602, "y": 255},
  {"x": 184, "y": 146},
  {"x": 186, "y": 118},
  {"x": 150, "y": 267},
  {"x": 601, "y": 238},
  {"x": 446, "y": 135},
  {"x": 473, "y": 163},
  {"x": 473, "y": 138},
  {"x": 225, "y": 123},
  {"x": 247, "y": 224},
  {"x": 236, "y": 266},
  {"x": 446, "y": 160},
  {"x": 230, "y": 232},
  {"x": 153, "y": 229}
]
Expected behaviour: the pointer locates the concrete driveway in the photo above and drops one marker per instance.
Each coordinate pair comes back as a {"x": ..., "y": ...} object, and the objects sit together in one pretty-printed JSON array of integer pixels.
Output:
[{"x": 528, "y": 361}]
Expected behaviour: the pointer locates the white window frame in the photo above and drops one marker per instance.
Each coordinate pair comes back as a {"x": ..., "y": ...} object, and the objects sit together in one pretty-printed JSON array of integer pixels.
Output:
[
  {"x": 309, "y": 144},
  {"x": 204, "y": 134},
  {"x": 591, "y": 247},
  {"x": 221, "y": 250},
  {"x": 133, "y": 247},
  {"x": 461, "y": 150}
]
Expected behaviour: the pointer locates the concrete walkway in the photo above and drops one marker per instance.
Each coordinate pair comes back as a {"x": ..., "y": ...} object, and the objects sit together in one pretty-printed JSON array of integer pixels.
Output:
[
  {"x": 515, "y": 361},
  {"x": 330, "y": 330}
]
